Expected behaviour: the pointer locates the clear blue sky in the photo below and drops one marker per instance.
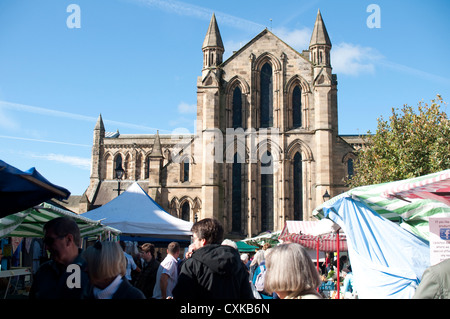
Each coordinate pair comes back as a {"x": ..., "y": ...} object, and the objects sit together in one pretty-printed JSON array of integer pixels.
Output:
[{"x": 136, "y": 62}]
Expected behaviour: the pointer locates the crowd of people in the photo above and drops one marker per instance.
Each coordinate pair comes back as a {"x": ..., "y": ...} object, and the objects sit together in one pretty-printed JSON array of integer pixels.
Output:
[{"x": 210, "y": 269}]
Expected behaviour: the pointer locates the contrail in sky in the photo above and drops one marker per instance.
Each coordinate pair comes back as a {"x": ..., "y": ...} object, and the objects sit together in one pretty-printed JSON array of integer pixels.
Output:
[
  {"x": 79, "y": 117},
  {"x": 187, "y": 9}
]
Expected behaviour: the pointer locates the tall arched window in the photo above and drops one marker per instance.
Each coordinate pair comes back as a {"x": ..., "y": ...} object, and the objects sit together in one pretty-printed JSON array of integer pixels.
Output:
[
  {"x": 297, "y": 107},
  {"x": 118, "y": 163},
  {"x": 298, "y": 187},
  {"x": 236, "y": 195},
  {"x": 185, "y": 210},
  {"x": 266, "y": 86},
  {"x": 185, "y": 167},
  {"x": 266, "y": 191},
  {"x": 350, "y": 168},
  {"x": 237, "y": 107}
]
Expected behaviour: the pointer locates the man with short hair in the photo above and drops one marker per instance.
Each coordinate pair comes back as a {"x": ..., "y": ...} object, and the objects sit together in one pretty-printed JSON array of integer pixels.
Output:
[
  {"x": 147, "y": 277},
  {"x": 167, "y": 275},
  {"x": 214, "y": 271},
  {"x": 62, "y": 239}
]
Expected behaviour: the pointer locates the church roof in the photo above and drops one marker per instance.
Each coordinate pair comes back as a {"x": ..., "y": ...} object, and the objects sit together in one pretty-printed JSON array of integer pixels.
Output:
[
  {"x": 213, "y": 38},
  {"x": 319, "y": 34},
  {"x": 256, "y": 38}
]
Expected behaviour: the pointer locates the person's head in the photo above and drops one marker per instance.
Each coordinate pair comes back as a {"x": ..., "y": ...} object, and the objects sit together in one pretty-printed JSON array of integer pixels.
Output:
[
  {"x": 244, "y": 258},
  {"x": 258, "y": 258},
  {"x": 147, "y": 251},
  {"x": 105, "y": 261},
  {"x": 229, "y": 242},
  {"x": 62, "y": 239},
  {"x": 174, "y": 249},
  {"x": 290, "y": 271},
  {"x": 207, "y": 231}
]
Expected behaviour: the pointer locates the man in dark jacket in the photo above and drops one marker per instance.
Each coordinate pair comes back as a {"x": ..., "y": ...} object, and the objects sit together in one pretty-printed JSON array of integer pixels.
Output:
[
  {"x": 52, "y": 280},
  {"x": 213, "y": 271},
  {"x": 147, "y": 277}
]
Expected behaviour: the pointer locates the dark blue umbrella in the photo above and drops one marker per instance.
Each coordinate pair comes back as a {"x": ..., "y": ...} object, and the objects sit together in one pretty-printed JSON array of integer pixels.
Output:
[{"x": 21, "y": 190}]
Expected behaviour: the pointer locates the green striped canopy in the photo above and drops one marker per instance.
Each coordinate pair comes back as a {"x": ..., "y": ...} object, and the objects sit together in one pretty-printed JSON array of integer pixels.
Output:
[
  {"x": 30, "y": 223},
  {"x": 411, "y": 210}
]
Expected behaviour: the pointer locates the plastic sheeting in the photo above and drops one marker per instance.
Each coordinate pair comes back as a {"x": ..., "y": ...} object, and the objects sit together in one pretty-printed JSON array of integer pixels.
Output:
[{"x": 387, "y": 261}]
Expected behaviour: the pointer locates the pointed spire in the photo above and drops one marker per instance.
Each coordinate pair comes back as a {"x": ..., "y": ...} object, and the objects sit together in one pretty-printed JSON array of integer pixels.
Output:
[
  {"x": 213, "y": 38},
  {"x": 319, "y": 34},
  {"x": 157, "y": 152},
  {"x": 99, "y": 125}
]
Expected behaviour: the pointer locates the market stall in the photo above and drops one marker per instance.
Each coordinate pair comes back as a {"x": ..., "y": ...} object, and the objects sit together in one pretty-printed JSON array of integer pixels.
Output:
[
  {"x": 30, "y": 223},
  {"x": 139, "y": 217},
  {"x": 387, "y": 228},
  {"x": 21, "y": 190}
]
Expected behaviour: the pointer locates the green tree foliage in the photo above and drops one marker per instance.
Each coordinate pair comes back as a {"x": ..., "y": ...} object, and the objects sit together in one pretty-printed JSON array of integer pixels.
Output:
[{"x": 411, "y": 144}]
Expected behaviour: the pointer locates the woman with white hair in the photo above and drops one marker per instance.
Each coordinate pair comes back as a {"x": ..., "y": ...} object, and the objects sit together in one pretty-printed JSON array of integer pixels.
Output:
[
  {"x": 291, "y": 273},
  {"x": 106, "y": 266}
]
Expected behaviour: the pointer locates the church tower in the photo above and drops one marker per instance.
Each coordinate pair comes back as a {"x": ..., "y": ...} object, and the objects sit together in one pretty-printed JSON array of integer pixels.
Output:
[
  {"x": 325, "y": 105},
  {"x": 208, "y": 119}
]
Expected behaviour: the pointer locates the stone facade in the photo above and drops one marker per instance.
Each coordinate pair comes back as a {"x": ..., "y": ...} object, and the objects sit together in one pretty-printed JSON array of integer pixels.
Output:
[{"x": 266, "y": 146}]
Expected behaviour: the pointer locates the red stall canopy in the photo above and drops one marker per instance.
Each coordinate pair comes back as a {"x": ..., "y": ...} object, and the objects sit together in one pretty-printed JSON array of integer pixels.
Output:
[{"x": 311, "y": 234}]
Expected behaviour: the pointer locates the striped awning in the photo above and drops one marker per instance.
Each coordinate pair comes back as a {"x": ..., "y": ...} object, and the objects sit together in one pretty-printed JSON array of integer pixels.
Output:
[
  {"x": 309, "y": 235},
  {"x": 30, "y": 222},
  {"x": 433, "y": 186},
  {"x": 412, "y": 212}
]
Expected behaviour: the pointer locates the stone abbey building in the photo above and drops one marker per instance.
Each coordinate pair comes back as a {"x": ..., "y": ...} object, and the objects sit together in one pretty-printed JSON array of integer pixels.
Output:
[{"x": 266, "y": 147}]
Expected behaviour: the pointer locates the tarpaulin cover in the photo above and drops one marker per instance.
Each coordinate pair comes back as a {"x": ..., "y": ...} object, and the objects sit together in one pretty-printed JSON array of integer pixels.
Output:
[
  {"x": 413, "y": 213},
  {"x": 135, "y": 213},
  {"x": 387, "y": 261},
  {"x": 21, "y": 190}
]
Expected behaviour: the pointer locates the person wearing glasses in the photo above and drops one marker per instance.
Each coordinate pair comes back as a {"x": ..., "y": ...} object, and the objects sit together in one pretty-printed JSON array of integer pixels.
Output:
[
  {"x": 107, "y": 269},
  {"x": 54, "y": 278}
]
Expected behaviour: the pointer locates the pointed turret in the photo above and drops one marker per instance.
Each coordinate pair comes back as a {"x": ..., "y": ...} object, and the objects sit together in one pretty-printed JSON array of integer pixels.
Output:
[
  {"x": 212, "y": 46},
  {"x": 97, "y": 149},
  {"x": 156, "y": 152},
  {"x": 320, "y": 44},
  {"x": 99, "y": 125}
]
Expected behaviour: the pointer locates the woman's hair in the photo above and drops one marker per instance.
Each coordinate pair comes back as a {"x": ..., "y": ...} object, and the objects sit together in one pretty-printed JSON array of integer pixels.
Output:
[
  {"x": 105, "y": 260},
  {"x": 290, "y": 269}
]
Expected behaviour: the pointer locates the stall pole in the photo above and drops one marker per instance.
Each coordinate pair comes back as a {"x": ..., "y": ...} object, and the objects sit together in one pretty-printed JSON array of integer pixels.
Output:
[
  {"x": 317, "y": 257},
  {"x": 338, "y": 265}
]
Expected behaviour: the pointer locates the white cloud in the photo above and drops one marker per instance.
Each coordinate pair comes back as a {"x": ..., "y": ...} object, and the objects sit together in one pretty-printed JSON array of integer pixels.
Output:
[
  {"x": 80, "y": 162},
  {"x": 298, "y": 38},
  {"x": 185, "y": 108},
  {"x": 351, "y": 59}
]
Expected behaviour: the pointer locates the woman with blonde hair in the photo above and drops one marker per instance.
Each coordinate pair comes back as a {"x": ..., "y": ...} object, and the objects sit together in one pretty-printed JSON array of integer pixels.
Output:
[
  {"x": 291, "y": 273},
  {"x": 106, "y": 266}
]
